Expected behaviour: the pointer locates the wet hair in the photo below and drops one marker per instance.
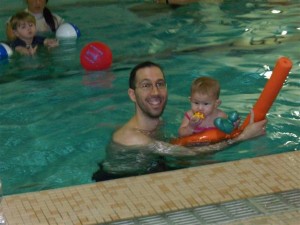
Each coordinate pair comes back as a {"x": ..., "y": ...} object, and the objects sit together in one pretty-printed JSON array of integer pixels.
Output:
[
  {"x": 141, "y": 66},
  {"x": 21, "y": 16},
  {"x": 49, "y": 18},
  {"x": 206, "y": 85}
]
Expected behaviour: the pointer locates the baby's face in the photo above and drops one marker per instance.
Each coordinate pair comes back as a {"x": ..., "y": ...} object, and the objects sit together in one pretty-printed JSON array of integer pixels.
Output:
[
  {"x": 203, "y": 103},
  {"x": 25, "y": 30}
]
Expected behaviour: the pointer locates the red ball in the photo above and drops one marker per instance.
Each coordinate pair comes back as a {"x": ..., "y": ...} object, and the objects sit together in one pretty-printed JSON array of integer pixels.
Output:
[{"x": 96, "y": 56}]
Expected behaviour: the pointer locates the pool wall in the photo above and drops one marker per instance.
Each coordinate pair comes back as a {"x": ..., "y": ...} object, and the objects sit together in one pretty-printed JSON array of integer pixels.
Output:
[{"x": 160, "y": 193}]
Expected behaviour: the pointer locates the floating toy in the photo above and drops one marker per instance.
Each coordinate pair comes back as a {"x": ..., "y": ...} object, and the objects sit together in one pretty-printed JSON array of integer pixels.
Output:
[
  {"x": 261, "y": 107},
  {"x": 199, "y": 115},
  {"x": 227, "y": 125},
  {"x": 96, "y": 56},
  {"x": 5, "y": 51},
  {"x": 67, "y": 30}
]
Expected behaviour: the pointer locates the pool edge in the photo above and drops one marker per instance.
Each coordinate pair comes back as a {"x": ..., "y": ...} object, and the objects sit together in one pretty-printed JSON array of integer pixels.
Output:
[{"x": 156, "y": 193}]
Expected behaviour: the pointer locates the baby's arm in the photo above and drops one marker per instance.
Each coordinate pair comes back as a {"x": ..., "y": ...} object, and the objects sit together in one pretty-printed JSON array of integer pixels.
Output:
[
  {"x": 187, "y": 126},
  {"x": 185, "y": 129},
  {"x": 51, "y": 43}
]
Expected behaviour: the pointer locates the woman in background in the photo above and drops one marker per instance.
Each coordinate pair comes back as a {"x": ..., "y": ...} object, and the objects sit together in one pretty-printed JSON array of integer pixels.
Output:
[{"x": 46, "y": 21}]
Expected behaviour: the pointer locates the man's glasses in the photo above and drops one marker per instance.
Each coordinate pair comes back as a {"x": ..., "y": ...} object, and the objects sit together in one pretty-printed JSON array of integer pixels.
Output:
[{"x": 148, "y": 86}]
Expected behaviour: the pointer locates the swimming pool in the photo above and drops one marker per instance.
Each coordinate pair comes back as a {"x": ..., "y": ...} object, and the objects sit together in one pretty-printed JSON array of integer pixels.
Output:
[{"x": 56, "y": 119}]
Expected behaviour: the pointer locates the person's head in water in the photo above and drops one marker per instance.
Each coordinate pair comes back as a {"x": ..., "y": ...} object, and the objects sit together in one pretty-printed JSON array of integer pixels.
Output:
[
  {"x": 39, "y": 6},
  {"x": 23, "y": 25},
  {"x": 148, "y": 89}
]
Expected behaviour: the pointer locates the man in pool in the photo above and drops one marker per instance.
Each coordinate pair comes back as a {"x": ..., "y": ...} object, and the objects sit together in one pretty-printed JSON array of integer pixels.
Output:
[{"x": 135, "y": 148}]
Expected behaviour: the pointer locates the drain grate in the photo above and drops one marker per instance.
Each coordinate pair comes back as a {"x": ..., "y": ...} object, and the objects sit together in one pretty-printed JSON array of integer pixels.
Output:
[
  {"x": 211, "y": 214},
  {"x": 240, "y": 209},
  {"x": 224, "y": 212}
]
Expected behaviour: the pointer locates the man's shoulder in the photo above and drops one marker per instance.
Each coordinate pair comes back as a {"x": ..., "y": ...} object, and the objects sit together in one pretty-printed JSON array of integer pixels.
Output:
[{"x": 129, "y": 136}]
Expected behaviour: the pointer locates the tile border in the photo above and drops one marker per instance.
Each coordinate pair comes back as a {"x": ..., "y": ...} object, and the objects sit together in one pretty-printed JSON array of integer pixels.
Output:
[{"x": 158, "y": 193}]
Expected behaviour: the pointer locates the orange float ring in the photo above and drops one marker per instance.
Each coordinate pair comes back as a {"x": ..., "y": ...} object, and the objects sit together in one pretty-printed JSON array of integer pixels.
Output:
[{"x": 261, "y": 108}]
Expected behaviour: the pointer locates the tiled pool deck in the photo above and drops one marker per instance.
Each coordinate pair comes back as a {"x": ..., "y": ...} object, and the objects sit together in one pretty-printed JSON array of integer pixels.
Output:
[{"x": 159, "y": 193}]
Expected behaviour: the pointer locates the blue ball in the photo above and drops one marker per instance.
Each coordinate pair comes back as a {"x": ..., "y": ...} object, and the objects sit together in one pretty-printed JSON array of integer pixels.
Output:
[
  {"x": 5, "y": 51},
  {"x": 68, "y": 30}
]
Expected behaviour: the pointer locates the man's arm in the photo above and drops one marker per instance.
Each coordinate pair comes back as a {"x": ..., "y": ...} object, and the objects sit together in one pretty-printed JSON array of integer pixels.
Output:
[{"x": 253, "y": 129}]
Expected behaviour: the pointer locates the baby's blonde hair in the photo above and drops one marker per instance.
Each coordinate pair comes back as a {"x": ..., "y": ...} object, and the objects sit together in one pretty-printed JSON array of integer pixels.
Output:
[
  {"x": 16, "y": 19},
  {"x": 206, "y": 85}
]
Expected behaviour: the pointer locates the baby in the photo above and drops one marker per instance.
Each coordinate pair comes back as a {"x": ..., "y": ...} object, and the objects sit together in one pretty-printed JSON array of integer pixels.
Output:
[
  {"x": 24, "y": 28},
  {"x": 204, "y": 110}
]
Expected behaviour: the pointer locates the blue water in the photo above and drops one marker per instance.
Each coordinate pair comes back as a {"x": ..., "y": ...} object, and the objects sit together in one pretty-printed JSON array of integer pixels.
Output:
[{"x": 56, "y": 118}]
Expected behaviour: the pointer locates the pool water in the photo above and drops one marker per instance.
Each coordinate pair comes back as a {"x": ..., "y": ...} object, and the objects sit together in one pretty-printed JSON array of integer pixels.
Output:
[{"x": 56, "y": 119}]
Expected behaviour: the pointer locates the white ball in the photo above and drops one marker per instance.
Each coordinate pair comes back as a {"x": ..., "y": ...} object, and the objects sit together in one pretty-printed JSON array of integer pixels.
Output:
[
  {"x": 5, "y": 51},
  {"x": 67, "y": 30}
]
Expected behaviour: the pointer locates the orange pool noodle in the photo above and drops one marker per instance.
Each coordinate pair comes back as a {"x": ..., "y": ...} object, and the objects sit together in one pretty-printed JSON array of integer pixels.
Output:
[
  {"x": 271, "y": 90},
  {"x": 261, "y": 108}
]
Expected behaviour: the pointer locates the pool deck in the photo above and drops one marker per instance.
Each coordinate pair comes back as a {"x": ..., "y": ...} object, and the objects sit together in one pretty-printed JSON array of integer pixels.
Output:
[{"x": 159, "y": 193}]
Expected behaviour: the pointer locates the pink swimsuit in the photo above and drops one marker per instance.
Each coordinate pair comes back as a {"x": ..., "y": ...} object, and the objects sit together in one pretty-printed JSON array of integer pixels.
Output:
[{"x": 199, "y": 129}]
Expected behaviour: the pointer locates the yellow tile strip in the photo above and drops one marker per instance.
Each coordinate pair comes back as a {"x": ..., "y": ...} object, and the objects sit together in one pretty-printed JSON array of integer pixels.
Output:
[{"x": 156, "y": 193}]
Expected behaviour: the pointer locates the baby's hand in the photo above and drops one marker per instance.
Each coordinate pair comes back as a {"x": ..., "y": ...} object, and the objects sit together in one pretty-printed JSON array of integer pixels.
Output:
[
  {"x": 236, "y": 124},
  {"x": 51, "y": 43},
  {"x": 196, "y": 119},
  {"x": 32, "y": 51},
  {"x": 199, "y": 115}
]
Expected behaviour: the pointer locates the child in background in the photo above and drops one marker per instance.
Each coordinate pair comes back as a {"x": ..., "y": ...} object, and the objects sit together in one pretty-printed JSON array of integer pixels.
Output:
[
  {"x": 24, "y": 28},
  {"x": 46, "y": 20},
  {"x": 204, "y": 110}
]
